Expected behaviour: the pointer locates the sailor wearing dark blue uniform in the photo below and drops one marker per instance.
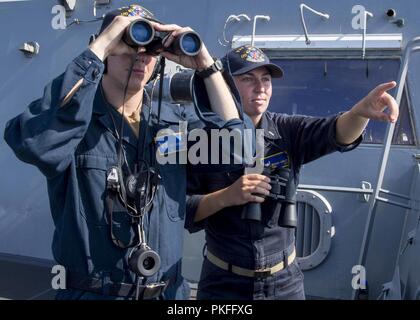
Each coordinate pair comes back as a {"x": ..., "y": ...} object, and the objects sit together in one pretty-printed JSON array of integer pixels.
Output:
[
  {"x": 118, "y": 212},
  {"x": 249, "y": 258}
]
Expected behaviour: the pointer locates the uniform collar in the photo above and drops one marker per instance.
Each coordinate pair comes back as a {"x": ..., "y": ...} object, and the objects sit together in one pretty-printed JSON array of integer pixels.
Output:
[
  {"x": 269, "y": 126},
  {"x": 107, "y": 115}
]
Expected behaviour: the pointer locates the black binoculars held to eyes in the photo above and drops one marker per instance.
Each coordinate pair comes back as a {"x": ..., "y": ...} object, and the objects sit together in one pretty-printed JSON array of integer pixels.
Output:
[{"x": 141, "y": 33}]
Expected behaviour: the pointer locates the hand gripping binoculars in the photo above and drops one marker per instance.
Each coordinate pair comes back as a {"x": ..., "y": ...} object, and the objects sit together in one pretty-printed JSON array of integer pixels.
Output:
[
  {"x": 141, "y": 33},
  {"x": 283, "y": 195}
]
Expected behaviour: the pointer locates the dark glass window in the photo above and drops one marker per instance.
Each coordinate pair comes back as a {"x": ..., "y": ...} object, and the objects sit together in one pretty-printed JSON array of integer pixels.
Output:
[{"x": 318, "y": 87}]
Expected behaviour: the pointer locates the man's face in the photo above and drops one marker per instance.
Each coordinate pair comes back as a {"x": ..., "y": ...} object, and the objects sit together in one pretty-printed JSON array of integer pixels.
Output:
[
  {"x": 255, "y": 90},
  {"x": 118, "y": 68}
]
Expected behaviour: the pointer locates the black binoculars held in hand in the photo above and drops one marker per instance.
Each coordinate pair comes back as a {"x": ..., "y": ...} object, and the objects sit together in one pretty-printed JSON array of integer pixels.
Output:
[
  {"x": 141, "y": 33},
  {"x": 282, "y": 194}
]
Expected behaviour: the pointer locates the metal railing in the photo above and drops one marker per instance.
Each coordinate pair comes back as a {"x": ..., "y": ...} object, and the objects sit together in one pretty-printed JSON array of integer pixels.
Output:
[{"x": 410, "y": 48}]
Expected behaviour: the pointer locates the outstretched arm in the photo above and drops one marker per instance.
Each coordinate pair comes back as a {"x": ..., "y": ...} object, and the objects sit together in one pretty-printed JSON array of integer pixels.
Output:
[{"x": 351, "y": 124}]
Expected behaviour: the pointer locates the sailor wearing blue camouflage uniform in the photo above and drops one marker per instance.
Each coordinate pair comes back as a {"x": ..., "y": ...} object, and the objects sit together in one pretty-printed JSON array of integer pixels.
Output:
[
  {"x": 256, "y": 259},
  {"x": 75, "y": 137}
]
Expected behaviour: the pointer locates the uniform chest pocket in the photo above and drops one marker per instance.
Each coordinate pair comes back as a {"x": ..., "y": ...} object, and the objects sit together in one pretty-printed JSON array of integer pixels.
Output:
[
  {"x": 170, "y": 143},
  {"x": 174, "y": 190},
  {"x": 91, "y": 182}
]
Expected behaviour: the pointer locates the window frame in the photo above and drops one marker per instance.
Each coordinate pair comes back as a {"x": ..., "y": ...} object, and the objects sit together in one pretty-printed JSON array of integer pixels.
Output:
[{"x": 374, "y": 54}]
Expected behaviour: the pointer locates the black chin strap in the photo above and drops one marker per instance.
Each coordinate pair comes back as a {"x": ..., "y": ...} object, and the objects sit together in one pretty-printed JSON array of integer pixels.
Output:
[{"x": 161, "y": 75}]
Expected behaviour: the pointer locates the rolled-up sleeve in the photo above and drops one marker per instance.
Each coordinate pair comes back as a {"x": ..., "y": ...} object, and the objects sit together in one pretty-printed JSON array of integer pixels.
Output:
[
  {"x": 332, "y": 135},
  {"x": 191, "y": 209},
  {"x": 311, "y": 137}
]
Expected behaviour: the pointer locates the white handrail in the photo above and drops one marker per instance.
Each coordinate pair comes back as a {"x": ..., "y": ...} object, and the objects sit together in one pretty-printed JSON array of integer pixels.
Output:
[
  {"x": 324, "y": 15},
  {"x": 367, "y": 13},
  {"x": 267, "y": 18}
]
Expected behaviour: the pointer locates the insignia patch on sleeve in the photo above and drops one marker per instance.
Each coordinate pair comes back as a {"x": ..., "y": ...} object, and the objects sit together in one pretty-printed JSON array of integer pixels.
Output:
[
  {"x": 277, "y": 160},
  {"x": 171, "y": 142}
]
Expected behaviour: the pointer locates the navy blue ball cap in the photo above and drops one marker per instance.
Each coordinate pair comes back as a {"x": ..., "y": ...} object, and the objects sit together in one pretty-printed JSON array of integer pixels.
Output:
[
  {"x": 246, "y": 58},
  {"x": 131, "y": 11}
]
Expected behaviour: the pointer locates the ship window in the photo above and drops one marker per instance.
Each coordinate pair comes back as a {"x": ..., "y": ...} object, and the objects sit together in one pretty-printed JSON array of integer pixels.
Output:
[{"x": 323, "y": 87}]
